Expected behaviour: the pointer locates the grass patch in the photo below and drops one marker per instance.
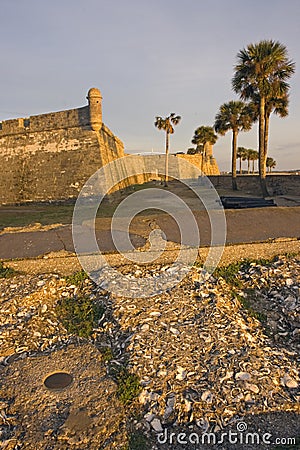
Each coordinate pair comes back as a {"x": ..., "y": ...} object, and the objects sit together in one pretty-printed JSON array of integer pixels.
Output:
[
  {"x": 6, "y": 272},
  {"x": 77, "y": 278},
  {"x": 137, "y": 441},
  {"x": 230, "y": 272},
  {"x": 128, "y": 386},
  {"x": 106, "y": 353},
  {"x": 47, "y": 214},
  {"x": 291, "y": 254},
  {"x": 79, "y": 315},
  {"x": 22, "y": 216},
  {"x": 246, "y": 304}
]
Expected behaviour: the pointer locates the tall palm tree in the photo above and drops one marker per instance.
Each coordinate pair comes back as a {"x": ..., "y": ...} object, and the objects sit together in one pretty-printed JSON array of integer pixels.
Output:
[
  {"x": 252, "y": 155},
  {"x": 235, "y": 116},
  {"x": 203, "y": 136},
  {"x": 166, "y": 124},
  {"x": 241, "y": 155},
  {"x": 271, "y": 163},
  {"x": 278, "y": 106},
  {"x": 194, "y": 151},
  {"x": 247, "y": 158},
  {"x": 262, "y": 70}
]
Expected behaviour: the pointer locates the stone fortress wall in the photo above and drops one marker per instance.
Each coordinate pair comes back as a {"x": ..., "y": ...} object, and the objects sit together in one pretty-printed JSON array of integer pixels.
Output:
[{"x": 50, "y": 156}]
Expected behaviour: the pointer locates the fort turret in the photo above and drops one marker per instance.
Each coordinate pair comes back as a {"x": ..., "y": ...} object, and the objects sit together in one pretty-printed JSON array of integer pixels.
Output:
[{"x": 95, "y": 106}]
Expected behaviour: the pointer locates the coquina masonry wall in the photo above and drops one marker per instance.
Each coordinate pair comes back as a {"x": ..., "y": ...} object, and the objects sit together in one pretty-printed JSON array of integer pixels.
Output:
[
  {"x": 208, "y": 166},
  {"x": 50, "y": 156},
  {"x": 277, "y": 184}
]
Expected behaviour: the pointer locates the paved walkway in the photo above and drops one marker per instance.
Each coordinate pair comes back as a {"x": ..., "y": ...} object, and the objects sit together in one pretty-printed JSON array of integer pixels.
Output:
[{"x": 243, "y": 226}]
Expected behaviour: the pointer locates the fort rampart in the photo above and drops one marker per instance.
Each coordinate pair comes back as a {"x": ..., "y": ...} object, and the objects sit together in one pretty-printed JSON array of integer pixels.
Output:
[{"x": 50, "y": 156}]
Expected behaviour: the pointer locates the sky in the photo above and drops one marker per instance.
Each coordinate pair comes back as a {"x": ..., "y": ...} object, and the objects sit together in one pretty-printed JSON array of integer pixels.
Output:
[{"x": 148, "y": 58}]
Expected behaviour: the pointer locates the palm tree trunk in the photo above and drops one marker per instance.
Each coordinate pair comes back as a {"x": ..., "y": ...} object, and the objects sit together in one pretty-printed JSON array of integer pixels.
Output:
[
  {"x": 240, "y": 165},
  {"x": 261, "y": 148},
  {"x": 248, "y": 162},
  {"x": 202, "y": 163},
  {"x": 167, "y": 160},
  {"x": 233, "y": 161},
  {"x": 266, "y": 139}
]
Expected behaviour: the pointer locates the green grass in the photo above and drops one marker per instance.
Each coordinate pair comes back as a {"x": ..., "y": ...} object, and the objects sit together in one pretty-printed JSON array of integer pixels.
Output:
[
  {"x": 247, "y": 305},
  {"x": 137, "y": 441},
  {"x": 79, "y": 315},
  {"x": 21, "y": 216},
  {"x": 230, "y": 272},
  {"x": 48, "y": 214},
  {"x": 128, "y": 386},
  {"x": 6, "y": 272},
  {"x": 77, "y": 278},
  {"x": 106, "y": 353}
]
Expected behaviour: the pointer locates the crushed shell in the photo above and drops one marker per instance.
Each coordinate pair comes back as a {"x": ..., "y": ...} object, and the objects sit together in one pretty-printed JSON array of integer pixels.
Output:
[{"x": 200, "y": 356}]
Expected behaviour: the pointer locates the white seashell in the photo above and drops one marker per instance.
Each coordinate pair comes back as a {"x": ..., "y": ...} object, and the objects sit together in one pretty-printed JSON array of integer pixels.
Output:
[
  {"x": 162, "y": 373},
  {"x": 174, "y": 331},
  {"x": 168, "y": 412},
  {"x": 243, "y": 376},
  {"x": 228, "y": 375},
  {"x": 149, "y": 417},
  {"x": 155, "y": 314},
  {"x": 171, "y": 401},
  {"x": 248, "y": 398},
  {"x": 188, "y": 405},
  {"x": 207, "y": 396},
  {"x": 252, "y": 387},
  {"x": 203, "y": 424},
  {"x": 144, "y": 397},
  {"x": 289, "y": 382},
  {"x": 156, "y": 425},
  {"x": 181, "y": 373}
]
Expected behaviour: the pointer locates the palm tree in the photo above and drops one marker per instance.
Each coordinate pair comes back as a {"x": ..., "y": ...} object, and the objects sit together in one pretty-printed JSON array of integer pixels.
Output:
[
  {"x": 271, "y": 164},
  {"x": 203, "y": 137},
  {"x": 278, "y": 106},
  {"x": 166, "y": 124},
  {"x": 263, "y": 70},
  {"x": 235, "y": 116},
  {"x": 193, "y": 151},
  {"x": 241, "y": 155},
  {"x": 252, "y": 155}
]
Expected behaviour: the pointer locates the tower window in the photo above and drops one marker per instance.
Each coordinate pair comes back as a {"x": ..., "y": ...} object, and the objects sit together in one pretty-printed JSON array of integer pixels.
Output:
[{"x": 26, "y": 123}]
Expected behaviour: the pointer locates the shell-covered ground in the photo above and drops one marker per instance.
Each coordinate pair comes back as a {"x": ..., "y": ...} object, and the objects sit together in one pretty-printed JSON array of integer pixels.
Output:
[{"x": 212, "y": 357}]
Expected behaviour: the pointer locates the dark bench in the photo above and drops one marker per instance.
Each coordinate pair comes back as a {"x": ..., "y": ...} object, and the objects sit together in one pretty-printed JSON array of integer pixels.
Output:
[{"x": 245, "y": 202}]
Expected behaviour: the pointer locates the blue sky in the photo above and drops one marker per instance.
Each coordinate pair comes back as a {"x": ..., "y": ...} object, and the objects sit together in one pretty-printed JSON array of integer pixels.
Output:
[{"x": 148, "y": 58}]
